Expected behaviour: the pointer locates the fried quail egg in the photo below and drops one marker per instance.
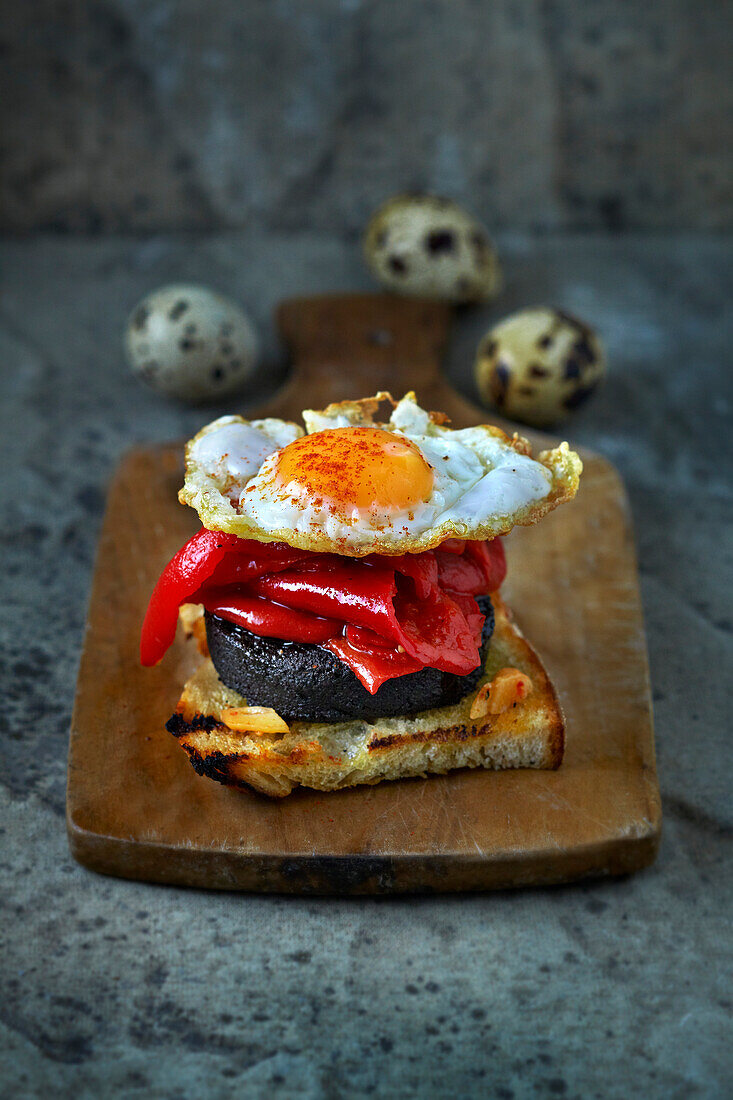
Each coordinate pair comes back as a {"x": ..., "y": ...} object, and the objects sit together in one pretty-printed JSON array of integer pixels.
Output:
[
  {"x": 353, "y": 485},
  {"x": 430, "y": 247}
]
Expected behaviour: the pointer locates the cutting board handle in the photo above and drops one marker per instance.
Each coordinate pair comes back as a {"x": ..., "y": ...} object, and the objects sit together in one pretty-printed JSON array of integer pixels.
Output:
[
  {"x": 350, "y": 345},
  {"x": 345, "y": 346}
]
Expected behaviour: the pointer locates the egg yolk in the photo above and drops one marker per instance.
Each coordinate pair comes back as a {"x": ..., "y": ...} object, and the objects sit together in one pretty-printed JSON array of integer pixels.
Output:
[{"x": 364, "y": 468}]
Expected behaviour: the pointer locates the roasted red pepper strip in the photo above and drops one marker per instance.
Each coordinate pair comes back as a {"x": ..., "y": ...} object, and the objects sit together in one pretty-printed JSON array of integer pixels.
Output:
[
  {"x": 268, "y": 619},
  {"x": 473, "y": 614},
  {"x": 372, "y": 666},
  {"x": 459, "y": 573},
  {"x": 421, "y": 568},
  {"x": 453, "y": 546},
  {"x": 458, "y": 618},
  {"x": 363, "y": 638},
  {"x": 321, "y": 563},
  {"x": 490, "y": 555},
  {"x": 359, "y": 609},
  {"x": 186, "y": 572},
  {"x": 207, "y": 557},
  {"x": 437, "y": 633},
  {"x": 351, "y": 593},
  {"x": 241, "y": 566},
  {"x": 434, "y": 632}
]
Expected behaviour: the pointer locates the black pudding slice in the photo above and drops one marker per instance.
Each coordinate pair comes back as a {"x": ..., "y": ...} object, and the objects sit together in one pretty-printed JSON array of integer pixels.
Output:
[{"x": 305, "y": 682}]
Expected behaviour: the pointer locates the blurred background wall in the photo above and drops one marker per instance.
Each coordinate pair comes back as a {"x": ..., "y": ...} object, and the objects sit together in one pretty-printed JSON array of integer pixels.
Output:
[{"x": 143, "y": 115}]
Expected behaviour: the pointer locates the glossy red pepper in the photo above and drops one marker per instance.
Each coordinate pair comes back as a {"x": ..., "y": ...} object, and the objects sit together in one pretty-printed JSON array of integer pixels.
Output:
[
  {"x": 372, "y": 664},
  {"x": 491, "y": 557},
  {"x": 459, "y": 573},
  {"x": 472, "y": 613},
  {"x": 268, "y": 619},
  {"x": 436, "y": 633},
  {"x": 240, "y": 566},
  {"x": 183, "y": 575},
  {"x": 453, "y": 546},
  {"x": 364, "y": 638},
  {"x": 207, "y": 557},
  {"x": 353, "y": 593},
  {"x": 421, "y": 568},
  {"x": 383, "y": 616}
]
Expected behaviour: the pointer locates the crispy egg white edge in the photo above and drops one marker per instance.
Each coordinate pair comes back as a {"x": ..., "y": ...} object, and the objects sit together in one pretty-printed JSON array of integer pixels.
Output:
[{"x": 205, "y": 492}]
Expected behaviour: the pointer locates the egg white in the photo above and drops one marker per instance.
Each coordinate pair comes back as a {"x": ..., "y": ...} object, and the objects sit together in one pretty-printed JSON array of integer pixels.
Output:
[
  {"x": 483, "y": 483},
  {"x": 231, "y": 450}
]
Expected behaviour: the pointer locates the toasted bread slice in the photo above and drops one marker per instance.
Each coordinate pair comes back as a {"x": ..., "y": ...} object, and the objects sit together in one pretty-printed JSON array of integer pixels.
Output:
[{"x": 528, "y": 734}]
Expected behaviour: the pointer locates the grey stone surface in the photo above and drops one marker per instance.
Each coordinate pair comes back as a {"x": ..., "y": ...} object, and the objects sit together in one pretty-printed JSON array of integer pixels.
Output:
[
  {"x": 153, "y": 114},
  {"x": 607, "y": 989}
]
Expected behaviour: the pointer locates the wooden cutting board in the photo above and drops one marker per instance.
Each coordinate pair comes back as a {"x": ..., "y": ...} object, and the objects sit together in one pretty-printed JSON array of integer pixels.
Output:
[{"x": 137, "y": 809}]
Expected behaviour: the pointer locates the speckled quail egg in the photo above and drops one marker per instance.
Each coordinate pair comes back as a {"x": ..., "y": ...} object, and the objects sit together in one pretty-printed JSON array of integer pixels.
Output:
[
  {"x": 539, "y": 364},
  {"x": 191, "y": 343},
  {"x": 429, "y": 247}
]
